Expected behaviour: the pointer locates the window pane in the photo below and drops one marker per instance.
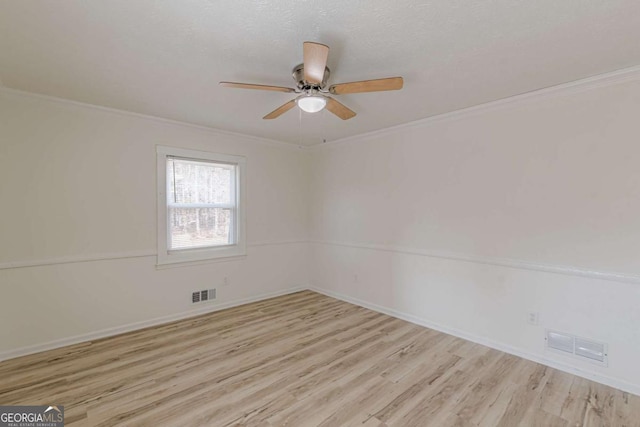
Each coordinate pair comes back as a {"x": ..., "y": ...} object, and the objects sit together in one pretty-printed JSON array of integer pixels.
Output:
[
  {"x": 197, "y": 227},
  {"x": 199, "y": 182}
]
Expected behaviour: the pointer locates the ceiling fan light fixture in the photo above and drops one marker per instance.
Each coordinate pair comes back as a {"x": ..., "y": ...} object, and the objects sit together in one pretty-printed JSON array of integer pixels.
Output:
[{"x": 312, "y": 103}]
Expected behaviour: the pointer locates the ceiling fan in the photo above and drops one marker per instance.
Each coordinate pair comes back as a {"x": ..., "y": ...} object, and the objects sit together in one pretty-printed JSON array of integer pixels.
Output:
[{"x": 311, "y": 77}]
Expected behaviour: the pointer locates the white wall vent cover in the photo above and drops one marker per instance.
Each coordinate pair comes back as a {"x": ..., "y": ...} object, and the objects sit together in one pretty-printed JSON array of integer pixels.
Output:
[
  {"x": 590, "y": 350},
  {"x": 559, "y": 341},
  {"x": 577, "y": 347}
]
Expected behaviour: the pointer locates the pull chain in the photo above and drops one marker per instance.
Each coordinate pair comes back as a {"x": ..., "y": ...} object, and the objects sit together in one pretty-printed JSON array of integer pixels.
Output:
[{"x": 300, "y": 125}]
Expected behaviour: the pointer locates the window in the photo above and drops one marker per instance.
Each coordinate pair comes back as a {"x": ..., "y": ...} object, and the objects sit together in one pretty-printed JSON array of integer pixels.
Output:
[{"x": 200, "y": 209}]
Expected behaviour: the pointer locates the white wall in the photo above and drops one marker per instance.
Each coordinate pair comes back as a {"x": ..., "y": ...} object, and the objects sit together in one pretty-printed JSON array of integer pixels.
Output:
[
  {"x": 78, "y": 183},
  {"x": 469, "y": 221},
  {"x": 464, "y": 223}
]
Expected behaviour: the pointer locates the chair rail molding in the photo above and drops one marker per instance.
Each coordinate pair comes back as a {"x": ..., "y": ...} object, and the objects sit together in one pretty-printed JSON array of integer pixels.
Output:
[{"x": 501, "y": 262}]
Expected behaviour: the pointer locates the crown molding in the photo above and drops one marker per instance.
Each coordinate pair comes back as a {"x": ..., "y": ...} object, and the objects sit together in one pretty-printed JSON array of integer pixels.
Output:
[
  {"x": 221, "y": 132},
  {"x": 576, "y": 86},
  {"x": 594, "y": 82}
]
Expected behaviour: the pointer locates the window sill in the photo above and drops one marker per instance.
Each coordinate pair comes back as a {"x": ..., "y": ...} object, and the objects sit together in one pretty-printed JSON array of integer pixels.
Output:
[{"x": 202, "y": 255}]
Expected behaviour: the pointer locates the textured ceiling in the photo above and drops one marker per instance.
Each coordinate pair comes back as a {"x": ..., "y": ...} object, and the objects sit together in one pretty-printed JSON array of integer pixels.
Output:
[{"x": 165, "y": 57}]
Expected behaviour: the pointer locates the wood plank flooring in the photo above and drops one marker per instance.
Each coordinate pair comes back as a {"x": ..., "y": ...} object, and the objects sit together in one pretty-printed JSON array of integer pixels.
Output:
[{"x": 304, "y": 360}]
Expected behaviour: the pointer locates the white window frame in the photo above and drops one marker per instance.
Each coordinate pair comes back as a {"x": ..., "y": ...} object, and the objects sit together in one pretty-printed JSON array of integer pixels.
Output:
[{"x": 167, "y": 256}]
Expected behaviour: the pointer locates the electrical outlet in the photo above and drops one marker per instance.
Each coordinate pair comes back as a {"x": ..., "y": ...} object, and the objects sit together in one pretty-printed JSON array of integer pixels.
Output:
[
  {"x": 225, "y": 282},
  {"x": 533, "y": 318}
]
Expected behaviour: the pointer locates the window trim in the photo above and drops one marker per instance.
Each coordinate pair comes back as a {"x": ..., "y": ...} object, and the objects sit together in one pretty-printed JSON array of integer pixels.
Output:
[{"x": 168, "y": 256}]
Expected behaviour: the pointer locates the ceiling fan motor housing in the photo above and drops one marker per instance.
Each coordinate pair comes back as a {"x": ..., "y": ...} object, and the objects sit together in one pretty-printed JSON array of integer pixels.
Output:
[{"x": 298, "y": 76}]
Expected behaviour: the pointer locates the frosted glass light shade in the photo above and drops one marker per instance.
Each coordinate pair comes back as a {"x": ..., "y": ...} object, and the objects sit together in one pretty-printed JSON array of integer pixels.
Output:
[{"x": 312, "y": 104}]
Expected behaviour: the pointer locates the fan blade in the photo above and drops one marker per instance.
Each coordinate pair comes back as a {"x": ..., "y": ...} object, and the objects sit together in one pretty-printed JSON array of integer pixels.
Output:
[
  {"x": 391, "y": 83},
  {"x": 315, "y": 61},
  {"x": 339, "y": 110},
  {"x": 280, "y": 110},
  {"x": 259, "y": 87}
]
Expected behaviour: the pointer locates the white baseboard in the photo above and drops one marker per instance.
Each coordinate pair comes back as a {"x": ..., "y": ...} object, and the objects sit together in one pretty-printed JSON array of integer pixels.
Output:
[
  {"x": 590, "y": 375},
  {"x": 104, "y": 333}
]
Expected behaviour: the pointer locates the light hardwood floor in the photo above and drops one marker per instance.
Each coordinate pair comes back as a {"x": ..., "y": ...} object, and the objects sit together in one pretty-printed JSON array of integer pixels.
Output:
[{"x": 304, "y": 360}]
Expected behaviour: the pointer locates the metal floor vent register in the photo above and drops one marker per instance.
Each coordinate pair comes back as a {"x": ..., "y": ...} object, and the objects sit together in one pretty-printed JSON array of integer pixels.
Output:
[{"x": 578, "y": 347}]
